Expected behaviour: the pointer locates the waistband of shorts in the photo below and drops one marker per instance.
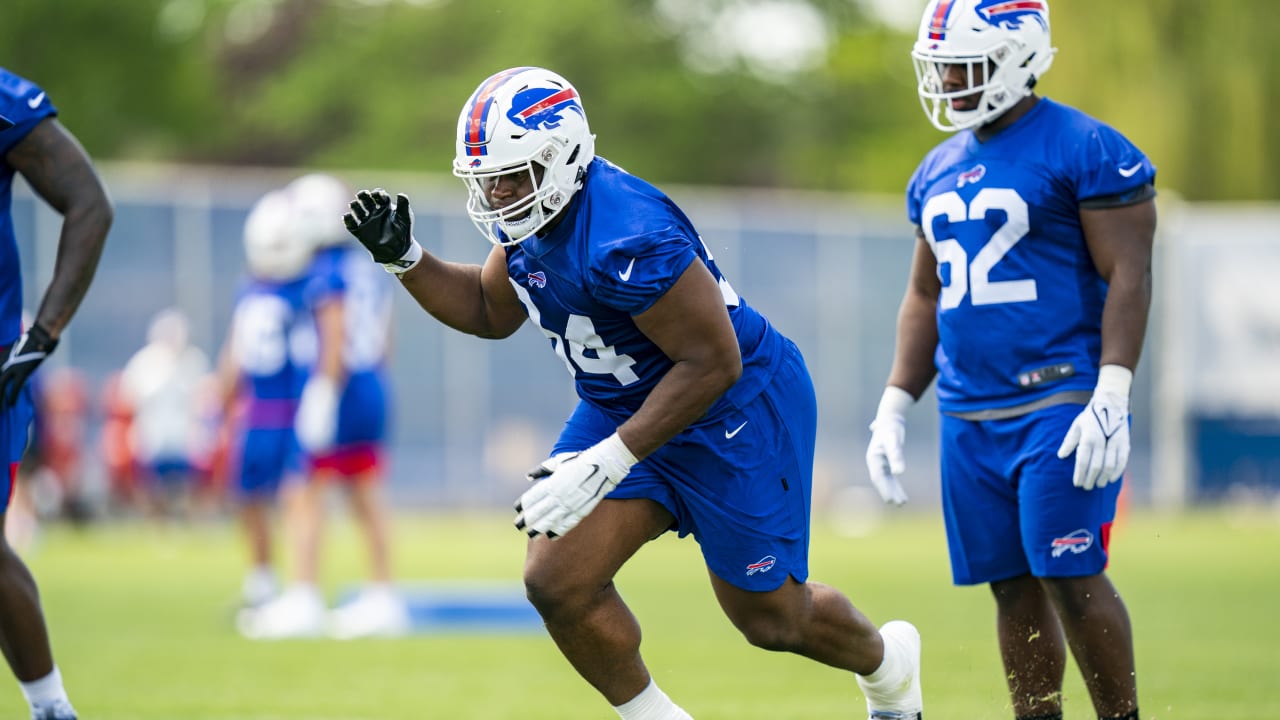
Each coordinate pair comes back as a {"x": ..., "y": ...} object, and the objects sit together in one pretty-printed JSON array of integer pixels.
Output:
[{"x": 1068, "y": 397}]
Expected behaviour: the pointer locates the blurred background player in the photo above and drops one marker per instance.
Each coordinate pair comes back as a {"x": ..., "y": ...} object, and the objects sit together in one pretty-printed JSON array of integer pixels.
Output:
[
  {"x": 261, "y": 371},
  {"x": 342, "y": 420},
  {"x": 161, "y": 384},
  {"x": 1041, "y": 221},
  {"x": 35, "y": 144}
]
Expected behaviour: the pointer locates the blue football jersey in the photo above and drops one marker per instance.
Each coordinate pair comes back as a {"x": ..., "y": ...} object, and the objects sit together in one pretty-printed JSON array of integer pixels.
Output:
[
  {"x": 345, "y": 271},
  {"x": 620, "y": 246},
  {"x": 1020, "y": 312},
  {"x": 22, "y": 106},
  {"x": 274, "y": 344}
]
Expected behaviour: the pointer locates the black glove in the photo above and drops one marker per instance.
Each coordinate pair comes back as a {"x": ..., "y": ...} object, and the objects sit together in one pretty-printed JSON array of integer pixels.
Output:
[
  {"x": 385, "y": 232},
  {"x": 24, "y": 357}
]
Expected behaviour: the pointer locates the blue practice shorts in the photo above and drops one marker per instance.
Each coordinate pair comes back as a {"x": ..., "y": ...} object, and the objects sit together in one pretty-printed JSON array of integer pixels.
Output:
[
  {"x": 15, "y": 428},
  {"x": 362, "y": 410},
  {"x": 739, "y": 482},
  {"x": 1009, "y": 502},
  {"x": 266, "y": 456}
]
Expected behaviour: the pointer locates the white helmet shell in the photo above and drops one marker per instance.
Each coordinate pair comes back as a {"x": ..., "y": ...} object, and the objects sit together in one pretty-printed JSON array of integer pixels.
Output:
[
  {"x": 273, "y": 248},
  {"x": 522, "y": 119},
  {"x": 319, "y": 201},
  {"x": 1005, "y": 45}
]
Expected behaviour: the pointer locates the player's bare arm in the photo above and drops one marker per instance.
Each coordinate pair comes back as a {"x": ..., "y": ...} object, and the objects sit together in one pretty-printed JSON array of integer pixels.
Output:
[
  {"x": 474, "y": 299},
  {"x": 330, "y": 326},
  {"x": 1120, "y": 241},
  {"x": 59, "y": 170},
  {"x": 691, "y": 325},
  {"x": 917, "y": 334}
]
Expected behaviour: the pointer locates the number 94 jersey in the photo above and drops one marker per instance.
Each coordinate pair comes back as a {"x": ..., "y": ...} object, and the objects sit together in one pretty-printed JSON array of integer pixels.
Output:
[
  {"x": 621, "y": 245},
  {"x": 1020, "y": 311}
]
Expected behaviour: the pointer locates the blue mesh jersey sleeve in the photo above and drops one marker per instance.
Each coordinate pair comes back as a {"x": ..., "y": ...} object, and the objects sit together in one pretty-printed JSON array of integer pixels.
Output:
[
  {"x": 1108, "y": 164},
  {"x": 22, "y": 103},
  {"x": 631, "y": 274}
]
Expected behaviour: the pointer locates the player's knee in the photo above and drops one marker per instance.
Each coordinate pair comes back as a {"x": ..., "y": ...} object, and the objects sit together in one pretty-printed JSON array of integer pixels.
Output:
[{"x": 552, "y": 594}]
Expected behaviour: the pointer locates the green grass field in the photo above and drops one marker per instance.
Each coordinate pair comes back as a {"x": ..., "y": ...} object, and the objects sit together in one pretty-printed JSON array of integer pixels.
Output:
[{"x": 141, "y": 623}]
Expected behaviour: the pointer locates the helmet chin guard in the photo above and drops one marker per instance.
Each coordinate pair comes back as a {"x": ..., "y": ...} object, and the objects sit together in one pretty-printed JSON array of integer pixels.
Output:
[
  {"x": 1003, "y": 44},
  {"x": 523, "y": 119}
]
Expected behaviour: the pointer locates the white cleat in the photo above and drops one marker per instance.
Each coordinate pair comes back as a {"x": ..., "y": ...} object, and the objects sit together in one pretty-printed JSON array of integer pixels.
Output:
[
  {"x": 259, "y": 588},
  {"x": 298, "y": 613},
  {"x": 901, "y": 700},
  {"x": 375, "y": 612}
]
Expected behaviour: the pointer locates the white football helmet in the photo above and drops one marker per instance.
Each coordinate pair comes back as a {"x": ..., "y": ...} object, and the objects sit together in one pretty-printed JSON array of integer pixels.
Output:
[
  {"x": 320, "y": 201},
  {"x": 273, "y": 248},
  {"x": 1004, "y": 44},
  {"x": 526, "y": 119}
]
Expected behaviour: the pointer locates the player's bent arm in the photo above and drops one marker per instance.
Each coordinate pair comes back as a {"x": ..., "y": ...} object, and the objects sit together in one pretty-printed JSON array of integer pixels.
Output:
[
  {"x": 59, "y": 170},
  {"x": 692, "y": 327},
  {"x": 917, "y": 329},
  {"x": 474, "y": 299},
  {"x": 227, "y": 375},
  {"x": 1120, "y": 241}
]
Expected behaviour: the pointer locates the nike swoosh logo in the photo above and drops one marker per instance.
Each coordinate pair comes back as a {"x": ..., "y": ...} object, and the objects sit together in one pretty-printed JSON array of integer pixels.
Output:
[
  {"x": 626, "y": 274},
  {"x": 728, "y": 435},
  {"x": 1129, "y": 172},
  {"x": 34, "y": 102}
]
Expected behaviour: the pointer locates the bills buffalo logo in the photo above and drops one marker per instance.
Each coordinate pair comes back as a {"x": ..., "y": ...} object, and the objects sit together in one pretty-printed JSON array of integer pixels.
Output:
[
  {"x": 970, "y": 177},
  {"x": 1077, "y": 542},
  {"x": 1009, "y": 14},
  {"x": 763, "y": 565},
  {"x": 537, "y": 279},
  {"x": 543, "y": 108}
]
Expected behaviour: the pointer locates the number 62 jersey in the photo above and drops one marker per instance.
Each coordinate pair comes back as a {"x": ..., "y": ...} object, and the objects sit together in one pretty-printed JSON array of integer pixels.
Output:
[{"x": 1020, "y": 311}]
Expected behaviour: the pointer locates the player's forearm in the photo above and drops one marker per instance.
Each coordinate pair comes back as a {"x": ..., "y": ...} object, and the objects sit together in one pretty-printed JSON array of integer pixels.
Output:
[
  {"x": 683, "y": 395},
  {"x": 1124, "y": 317},
  {"x": 84, "y": 233},
  {"x": 454, "y": 294},
  {"x": 916, "y": 342}
]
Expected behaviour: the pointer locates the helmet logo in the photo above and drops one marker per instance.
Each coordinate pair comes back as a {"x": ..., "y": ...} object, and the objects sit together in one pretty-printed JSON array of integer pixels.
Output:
[
  {"x": 540, "y": 108},
  {"x": 1009, "y": 14}
]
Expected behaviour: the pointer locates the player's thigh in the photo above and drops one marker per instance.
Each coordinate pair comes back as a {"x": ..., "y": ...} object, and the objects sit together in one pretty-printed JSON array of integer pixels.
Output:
[
  {"x": 980, "y": 501},
  {"x": 1065, "y": 529},
  {"x": 586, "y": 559}
]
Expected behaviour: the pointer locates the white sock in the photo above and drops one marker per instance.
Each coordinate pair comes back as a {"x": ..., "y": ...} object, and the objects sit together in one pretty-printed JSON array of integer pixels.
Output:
[
  {"x": 893, "y": 669},
  {"x": 45, "y": 691},
  {"x": 651, "y": 704}
]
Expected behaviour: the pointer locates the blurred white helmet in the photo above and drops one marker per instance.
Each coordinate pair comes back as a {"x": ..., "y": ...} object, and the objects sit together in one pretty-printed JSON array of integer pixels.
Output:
[
  {"x": 1005, "y": 45},
  {"x": 522, "y": 119},
  {"x": 320, "y": 200},
  {"x": 273, "y": 248}
]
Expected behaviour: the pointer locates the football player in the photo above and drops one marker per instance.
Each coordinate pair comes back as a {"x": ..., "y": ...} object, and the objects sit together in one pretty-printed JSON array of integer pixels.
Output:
[
  {"x": 1027, "y": 299},
  {"x": 262, "y": 368},
  {"x": 342, "y": 416},
  {"x": 695, "y": 414},
  {"x": 34, "y": 143}
]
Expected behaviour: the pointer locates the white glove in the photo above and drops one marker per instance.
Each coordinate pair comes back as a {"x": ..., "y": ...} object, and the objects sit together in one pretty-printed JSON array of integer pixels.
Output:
[
  {"x": 568, "y": 486},
  {"x": 885, "y": 459},
  {"x": 316, "y": 423},
  {"x": 1099, "y": 436}
]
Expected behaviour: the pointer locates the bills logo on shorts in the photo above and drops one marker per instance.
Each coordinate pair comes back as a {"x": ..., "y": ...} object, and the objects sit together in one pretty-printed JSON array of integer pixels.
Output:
[
  {"x": 1077, "y": 542},
  {"x": 537, "y": 279},
  {"x": 764, "y": 565}
]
